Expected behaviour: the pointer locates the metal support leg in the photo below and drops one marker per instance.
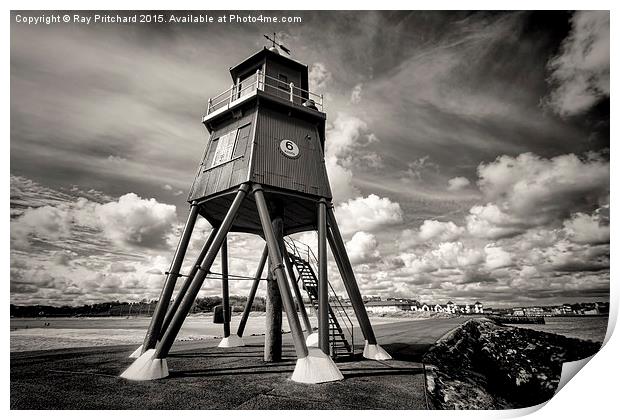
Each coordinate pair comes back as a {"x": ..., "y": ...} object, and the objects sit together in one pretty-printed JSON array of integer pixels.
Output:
[
  {"x": 188, "y": 300},
  {"x": 295, "y": 287},
  {"x": 188, "y": 280},
  {"x": 348, "y": 277},
  {"x": 371, "y": 350},
  {"x": 225, "y": 295},
  {"x": 152, "y": 334},
  {"x": 255, "y": 283},
  {"x": 272, "y": 350},
  {"x": 278, "y": 270},
  {"x": 323, "y": 286}
]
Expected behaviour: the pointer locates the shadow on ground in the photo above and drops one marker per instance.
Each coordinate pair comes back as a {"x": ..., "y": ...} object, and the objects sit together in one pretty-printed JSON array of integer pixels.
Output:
[{"x": 203, "y": 376}]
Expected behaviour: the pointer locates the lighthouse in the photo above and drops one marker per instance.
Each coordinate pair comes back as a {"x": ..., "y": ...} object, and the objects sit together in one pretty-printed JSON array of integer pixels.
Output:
[{"x": 263, "y": 173}]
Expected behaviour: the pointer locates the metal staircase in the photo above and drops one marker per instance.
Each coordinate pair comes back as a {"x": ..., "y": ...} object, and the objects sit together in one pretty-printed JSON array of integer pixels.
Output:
[{"x": 340, "y": 326}]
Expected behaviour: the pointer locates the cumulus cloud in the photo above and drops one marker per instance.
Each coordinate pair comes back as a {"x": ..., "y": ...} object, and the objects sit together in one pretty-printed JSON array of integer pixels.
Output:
[
  {"x": 346, "y": 149},
  {"x": 447, "y": 255},
  {"x": 318, "y": 77},
  {"x": 497, "y": 257},
  {"x": 587, "y": 229},
  {"x": 528, "y": 190},
  {"x": 129, "y": 221},
  {"x": 88, "y": 279},
  {"x": 490, "y": 222},
  {"x": 444, "y": 231},
  {"x": 136, "y": 221},
  {"x": 367, "y": 214},
  {"x": 431, "y": 230},
  {"x": 346, "y": 133},
  {"x": 340, "y": 180},
  {"x": 362, "y": 248},
  {"x": 455, "y": 254},
  {"x": 457, "y": 183},
  {"x": 565, "y": 256},
  {"x": 45, "y": 222},
  {"x": 580, "y": 73}
]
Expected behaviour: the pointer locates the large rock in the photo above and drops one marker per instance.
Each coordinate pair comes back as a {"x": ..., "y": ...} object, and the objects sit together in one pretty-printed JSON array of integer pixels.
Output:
[{"x": 484, "y": 365}]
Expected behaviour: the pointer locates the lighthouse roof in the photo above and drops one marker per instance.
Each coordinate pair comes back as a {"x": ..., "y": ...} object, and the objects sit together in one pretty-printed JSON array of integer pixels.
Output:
[{"x": 261, "y": 56}]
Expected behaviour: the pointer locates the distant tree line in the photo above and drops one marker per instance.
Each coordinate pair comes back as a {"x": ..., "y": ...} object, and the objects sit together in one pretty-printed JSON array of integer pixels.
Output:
[
  {"x": 206, "y": 304},
  {"x": 117, "y": 308}
]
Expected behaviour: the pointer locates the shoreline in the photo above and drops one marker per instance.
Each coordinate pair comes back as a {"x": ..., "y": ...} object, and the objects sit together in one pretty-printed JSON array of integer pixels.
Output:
[
  {"x": 31, "y": 334},
  {"x": 28, "y": 334}
]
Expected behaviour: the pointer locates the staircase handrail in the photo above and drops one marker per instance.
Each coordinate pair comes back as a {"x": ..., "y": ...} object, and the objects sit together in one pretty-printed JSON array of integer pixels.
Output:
[{"x": 313, "y": 262}]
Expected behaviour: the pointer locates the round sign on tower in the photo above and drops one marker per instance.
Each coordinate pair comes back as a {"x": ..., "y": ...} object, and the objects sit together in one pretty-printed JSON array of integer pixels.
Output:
[{"x": 289, "y": 149}]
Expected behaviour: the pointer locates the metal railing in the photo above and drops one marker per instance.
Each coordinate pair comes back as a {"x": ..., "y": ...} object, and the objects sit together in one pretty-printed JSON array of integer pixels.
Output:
[
  {"x": 301, "y": 249},
  {"x": 268, "y": 84}
]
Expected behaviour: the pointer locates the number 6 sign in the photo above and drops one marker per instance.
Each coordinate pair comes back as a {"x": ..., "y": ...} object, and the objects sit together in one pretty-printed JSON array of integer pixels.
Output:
[{"x": 289, "y": 148}]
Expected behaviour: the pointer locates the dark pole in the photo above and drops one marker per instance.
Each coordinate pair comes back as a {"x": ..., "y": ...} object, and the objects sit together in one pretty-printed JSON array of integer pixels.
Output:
[
  {"x": 348, "y": 277},
  {"x": 188, "y": 300},
  {"x": 295, "y": 287},
  {"x": 276, "y": 259},
  {"x": 152, "y": 334},
  {"x": 273, "y": 319},
  {"x": 225, "y": 297},
  {"x": 188, "y": 280},
  {"x": 255, "y": 283},
  {"x": 323, "y": 286}
]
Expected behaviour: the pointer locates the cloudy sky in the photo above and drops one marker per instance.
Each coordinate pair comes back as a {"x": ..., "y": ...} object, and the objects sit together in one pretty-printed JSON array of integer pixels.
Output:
[{"x": 468, "y": 152}]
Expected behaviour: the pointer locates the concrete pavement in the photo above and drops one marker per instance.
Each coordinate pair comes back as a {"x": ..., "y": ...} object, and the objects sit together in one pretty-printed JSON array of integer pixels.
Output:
[{"x": 203, "y": 376}]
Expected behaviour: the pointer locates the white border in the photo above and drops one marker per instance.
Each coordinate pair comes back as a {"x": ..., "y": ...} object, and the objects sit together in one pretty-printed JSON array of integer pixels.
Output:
[{"x": 593, "y": 394}]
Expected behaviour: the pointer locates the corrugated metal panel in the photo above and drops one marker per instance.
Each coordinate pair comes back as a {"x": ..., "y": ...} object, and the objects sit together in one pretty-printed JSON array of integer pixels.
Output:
[
  {"x": 273, "y": 69},
  {"x": 304, "y": 174},
  {"x": 212, "y": 180}
]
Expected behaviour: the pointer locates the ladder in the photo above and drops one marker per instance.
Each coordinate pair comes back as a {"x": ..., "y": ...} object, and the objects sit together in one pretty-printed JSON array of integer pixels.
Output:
[{"x": 340, "y": 326}]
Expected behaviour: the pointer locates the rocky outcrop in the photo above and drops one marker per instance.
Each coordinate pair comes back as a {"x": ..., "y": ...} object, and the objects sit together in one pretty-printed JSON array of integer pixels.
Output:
[{"x": 485, "y": 365}]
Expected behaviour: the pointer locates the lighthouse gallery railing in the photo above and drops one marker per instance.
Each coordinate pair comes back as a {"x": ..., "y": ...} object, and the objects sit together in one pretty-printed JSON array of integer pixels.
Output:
[{"x": 267, "y": 84}]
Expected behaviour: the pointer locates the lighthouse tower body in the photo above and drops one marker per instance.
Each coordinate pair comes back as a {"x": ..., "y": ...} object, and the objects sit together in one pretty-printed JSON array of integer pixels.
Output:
[
  {"x": 266, "y": 130},
  {"x": 263, "y": 172}
]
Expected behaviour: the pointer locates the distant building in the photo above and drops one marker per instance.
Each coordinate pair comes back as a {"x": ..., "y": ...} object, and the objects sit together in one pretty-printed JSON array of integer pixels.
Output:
[
  {"x": 450, "y": 307},
  {"x": 478, "y": 309},
  {"x": 383, "y": 307},
  {"x": 534, "y": 311}
]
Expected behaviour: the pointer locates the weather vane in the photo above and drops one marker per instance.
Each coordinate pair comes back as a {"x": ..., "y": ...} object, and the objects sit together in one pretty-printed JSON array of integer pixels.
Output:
[{"x": 275, "y": 43}]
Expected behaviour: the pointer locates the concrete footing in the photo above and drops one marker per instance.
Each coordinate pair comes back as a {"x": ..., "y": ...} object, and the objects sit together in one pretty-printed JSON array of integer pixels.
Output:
[
  {"x": 136, "y": 353},
  {"x": 146, "y": 368},
  {"x": 312, "y": 340},
  {"x": 315, "y": 368},
  {"x": 375, "y": 352},
  {"x": 231, "y": 341}
]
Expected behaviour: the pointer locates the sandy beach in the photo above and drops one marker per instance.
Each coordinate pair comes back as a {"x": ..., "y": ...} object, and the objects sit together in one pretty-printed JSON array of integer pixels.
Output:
[{"x": 29, "y": 334}]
